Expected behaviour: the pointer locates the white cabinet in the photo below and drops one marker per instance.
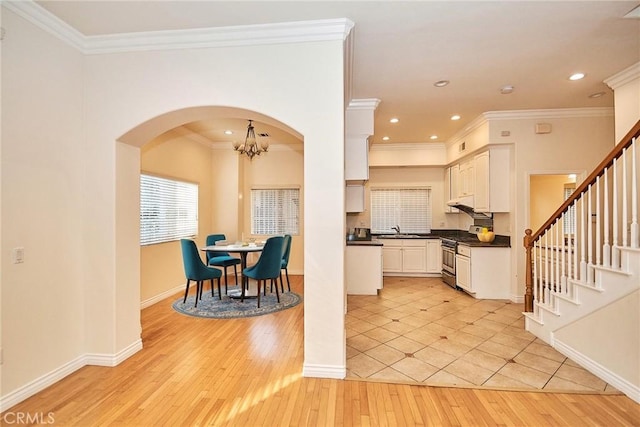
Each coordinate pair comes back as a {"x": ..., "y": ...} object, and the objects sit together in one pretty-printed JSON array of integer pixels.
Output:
[
  {"x": 451, "y": 187},
  {"x": 434, "y": 256},
  {"x": 356, "y": 158},
  {"x": 392, "y": 257},
  {"x": 414, "y": 256},
  {"x": 466, "y": 179},
  {"x": 354, "y": 198},
  {"x": 492, "y": 173},
  {"x": 484, "y": 272},
  {"x": 363, "y": 265},
  {"x": 411, "y": 257}
]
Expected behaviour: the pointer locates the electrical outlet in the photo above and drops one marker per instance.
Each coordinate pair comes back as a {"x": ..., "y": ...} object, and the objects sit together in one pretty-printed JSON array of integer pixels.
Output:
[{"x": 18, "y": 255}]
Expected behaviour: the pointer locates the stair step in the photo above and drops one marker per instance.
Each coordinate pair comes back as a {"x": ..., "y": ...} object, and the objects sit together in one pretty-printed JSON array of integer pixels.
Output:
[
  {"x": 548, "y": 308},
  {"x": 533, "y": 318}
]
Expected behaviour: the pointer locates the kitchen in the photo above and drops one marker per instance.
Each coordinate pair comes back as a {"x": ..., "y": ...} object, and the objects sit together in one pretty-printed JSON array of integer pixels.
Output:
[{"x": 430, "y": 247}]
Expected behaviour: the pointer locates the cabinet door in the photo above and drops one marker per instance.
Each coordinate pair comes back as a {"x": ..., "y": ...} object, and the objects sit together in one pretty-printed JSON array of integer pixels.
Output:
[
  {"x": 482, "y": 184},
  {"x": 414, "y": 259},
  {"x": 466, "y": 179},
  {"x": 391, "y": 259},
  {"x": 354, "y": 198},
  {"x": 451, "y": 187},
  {"x": 434, "y": 256},
  {"x": 463, "y": 272}
]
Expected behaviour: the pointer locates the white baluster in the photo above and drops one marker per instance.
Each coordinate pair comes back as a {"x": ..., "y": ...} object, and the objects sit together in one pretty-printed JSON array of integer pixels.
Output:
[
  {"x": 563, "y": 259},
  {"x": 635, "y": 233},
  {"x": 589, "y": 237},
  {"x": 606, "y": 248},
  {"x": 547, "y": 280},
  {"x": 624, "y": 198},
  {"x": 536, "y": 263},
  {"x": 615, "y": 252},
  {"x": 583, "y": 242},
  {"x": 598, "y": 233},
  {"x": 556, "y": 257},
  {"x": 575, "y": 240}
]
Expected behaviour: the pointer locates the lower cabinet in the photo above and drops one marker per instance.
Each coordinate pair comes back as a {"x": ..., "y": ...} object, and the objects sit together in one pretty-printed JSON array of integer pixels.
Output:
[
  {"x": 411, "y": 256},
  {"x": 363, "y": 269},
  {"x": 484, "y": 272}
]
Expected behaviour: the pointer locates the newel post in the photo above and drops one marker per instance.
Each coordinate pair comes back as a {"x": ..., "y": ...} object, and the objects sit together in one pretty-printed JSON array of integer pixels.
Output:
[{"x": 528, "y": 275}]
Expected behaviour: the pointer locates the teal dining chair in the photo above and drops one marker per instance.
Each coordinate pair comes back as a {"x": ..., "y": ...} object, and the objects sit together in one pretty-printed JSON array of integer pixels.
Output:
[
  {"x": 268, "y": 265},
  {"x": 196, "y": 270},
  {"x": 284, "y": 264},
  {"x": 222, "y": 259}
]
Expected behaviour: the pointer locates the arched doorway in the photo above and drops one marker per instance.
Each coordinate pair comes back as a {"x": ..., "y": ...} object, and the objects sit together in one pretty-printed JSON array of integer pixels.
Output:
[{"x": 199, "y": 151}]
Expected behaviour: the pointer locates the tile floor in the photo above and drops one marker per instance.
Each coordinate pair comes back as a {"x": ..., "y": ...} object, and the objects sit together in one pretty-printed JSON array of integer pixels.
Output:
[{"x": 419, "y": 330}]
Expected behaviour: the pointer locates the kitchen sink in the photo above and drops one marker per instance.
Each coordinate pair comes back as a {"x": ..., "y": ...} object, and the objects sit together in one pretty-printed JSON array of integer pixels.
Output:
[{"x": 399, "y": 236}]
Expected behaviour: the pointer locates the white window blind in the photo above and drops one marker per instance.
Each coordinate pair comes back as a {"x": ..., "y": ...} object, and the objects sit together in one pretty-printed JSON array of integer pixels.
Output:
[
  {"x": 409, "y": 208},
  {"x": 275, "y": 211},
  {"x": 569, "y": 219},
  {"x": 168, "y": 210}
]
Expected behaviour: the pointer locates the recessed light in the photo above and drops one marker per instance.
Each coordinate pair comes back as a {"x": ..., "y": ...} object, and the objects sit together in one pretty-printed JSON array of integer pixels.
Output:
[
  {"x": 577, "y": 76},
  {"x": 385, "y": 138},
  {"x": 455, "y": 117},
  {"x": 228, "y": 132},
  {"x": 597, "y": 95},
  {"x": 433, "y": 137},
  {"x": 441, "y": 83},
  {"x": 394, "y": 120},
  {"x": 505, "y": 90}
]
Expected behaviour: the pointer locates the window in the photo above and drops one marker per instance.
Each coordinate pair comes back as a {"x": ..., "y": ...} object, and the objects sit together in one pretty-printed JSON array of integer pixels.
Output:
[
  {"x": 168, "y": 210},
  {"x": 275, "y": 211},
  {"x": 409, "y": 208},
  {"x": 569, "y": 218}
]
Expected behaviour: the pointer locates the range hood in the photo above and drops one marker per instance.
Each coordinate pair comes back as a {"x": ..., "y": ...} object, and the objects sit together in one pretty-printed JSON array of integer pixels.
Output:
[{"x": 465, "y": 204}]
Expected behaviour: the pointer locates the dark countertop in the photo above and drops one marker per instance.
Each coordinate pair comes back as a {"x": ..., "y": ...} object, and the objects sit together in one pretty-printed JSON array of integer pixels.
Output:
[
  {"x": 363, "y": 243},
  {"x": 461, "y": 236}
]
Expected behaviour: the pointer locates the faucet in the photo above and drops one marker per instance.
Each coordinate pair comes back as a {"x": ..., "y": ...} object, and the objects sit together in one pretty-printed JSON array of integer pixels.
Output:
[{"x": 397, "y": 228}]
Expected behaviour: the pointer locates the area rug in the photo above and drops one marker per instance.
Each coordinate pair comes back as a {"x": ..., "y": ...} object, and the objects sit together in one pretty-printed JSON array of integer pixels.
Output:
[{"x": 231, "y": 308}]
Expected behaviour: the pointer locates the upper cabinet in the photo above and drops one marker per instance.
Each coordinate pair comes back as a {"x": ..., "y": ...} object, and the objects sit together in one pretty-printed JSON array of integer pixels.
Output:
[
  {"x": 356, "y": 158},
  {"x": 491, "y": 180},
  {"x": 485, "y": 176},
  {"x": 358, "y": 129}
]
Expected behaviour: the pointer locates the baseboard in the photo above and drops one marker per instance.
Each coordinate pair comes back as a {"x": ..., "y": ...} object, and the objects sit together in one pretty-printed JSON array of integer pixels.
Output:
[
  {"x": 324, "y": 371},
  {"x": 631, "y": 390},
  {"x": 111, "y": 360},
  {"x": 50, "y": 378},
  {"x": 39, "y": 384},
  {"x": 518, "y": 299},
  {"x": 166, "y": 294}
]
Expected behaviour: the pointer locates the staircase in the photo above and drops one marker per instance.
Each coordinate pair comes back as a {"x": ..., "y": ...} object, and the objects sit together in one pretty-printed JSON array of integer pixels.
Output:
[{"x": 585, "y": 260}]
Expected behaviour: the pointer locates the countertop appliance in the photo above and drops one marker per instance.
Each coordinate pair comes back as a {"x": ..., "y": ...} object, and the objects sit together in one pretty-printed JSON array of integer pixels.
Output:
[{"x": 359, "y": 234}]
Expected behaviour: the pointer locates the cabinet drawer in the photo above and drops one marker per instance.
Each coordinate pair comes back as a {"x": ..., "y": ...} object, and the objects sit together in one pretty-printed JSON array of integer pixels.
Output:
[
  {"x": 407, "y": 243},
  {"x": 464, "y": 250}
]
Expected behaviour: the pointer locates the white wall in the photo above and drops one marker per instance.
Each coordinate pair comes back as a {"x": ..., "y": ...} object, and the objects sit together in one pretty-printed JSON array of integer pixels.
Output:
[
  {"x": 70, "y": 191},
  {"x": 626, "y": 96},
  {"x": 589, "y": 133},
  {"x": 42, "y": 169}
]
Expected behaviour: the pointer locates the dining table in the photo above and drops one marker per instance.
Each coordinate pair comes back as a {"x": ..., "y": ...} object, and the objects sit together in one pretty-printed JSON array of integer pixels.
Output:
[{"x": 243, "y": 249}]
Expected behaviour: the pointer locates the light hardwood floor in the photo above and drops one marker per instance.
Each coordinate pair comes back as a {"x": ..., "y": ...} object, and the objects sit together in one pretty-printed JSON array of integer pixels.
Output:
[{"x": 247, "y": 372}]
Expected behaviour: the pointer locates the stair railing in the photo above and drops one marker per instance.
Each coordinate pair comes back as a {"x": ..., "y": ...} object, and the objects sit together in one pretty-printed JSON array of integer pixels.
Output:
[{"x": 587, "y": 230}]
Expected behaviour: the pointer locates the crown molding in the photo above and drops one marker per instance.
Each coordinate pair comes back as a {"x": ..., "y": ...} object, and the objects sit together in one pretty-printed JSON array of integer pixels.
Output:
[
  {"x": 242, "y": 35},
  {"x": 363, "y": 104},
  {"x": 45, "y": 20},
  {"x": 405, "y": 146},
  {"x": 557, "y": 113},
  {"x": 623, "y": 77}
]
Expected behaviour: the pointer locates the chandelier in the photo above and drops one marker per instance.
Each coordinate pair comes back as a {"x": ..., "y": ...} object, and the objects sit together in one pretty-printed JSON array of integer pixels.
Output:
[{"x": 250, "y": 146}]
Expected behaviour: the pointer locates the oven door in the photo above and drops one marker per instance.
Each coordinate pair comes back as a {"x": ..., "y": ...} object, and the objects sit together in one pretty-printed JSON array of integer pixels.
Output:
[{"x": 449, "y": 265}]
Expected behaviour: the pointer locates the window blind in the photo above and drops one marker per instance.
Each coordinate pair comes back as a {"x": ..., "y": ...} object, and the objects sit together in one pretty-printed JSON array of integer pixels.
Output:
[
  {"x": 409, "y": 208},
  {"x": 168, "y": 210},
  {"x": 275, "y": 211}
]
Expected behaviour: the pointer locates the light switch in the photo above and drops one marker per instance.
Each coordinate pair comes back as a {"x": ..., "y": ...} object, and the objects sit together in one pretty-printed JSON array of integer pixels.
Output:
[{"x": 18, "y": 255}]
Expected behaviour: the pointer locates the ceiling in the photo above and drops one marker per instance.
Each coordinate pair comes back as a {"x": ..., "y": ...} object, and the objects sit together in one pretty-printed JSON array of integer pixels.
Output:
[{"x": 401, "y": 48}]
